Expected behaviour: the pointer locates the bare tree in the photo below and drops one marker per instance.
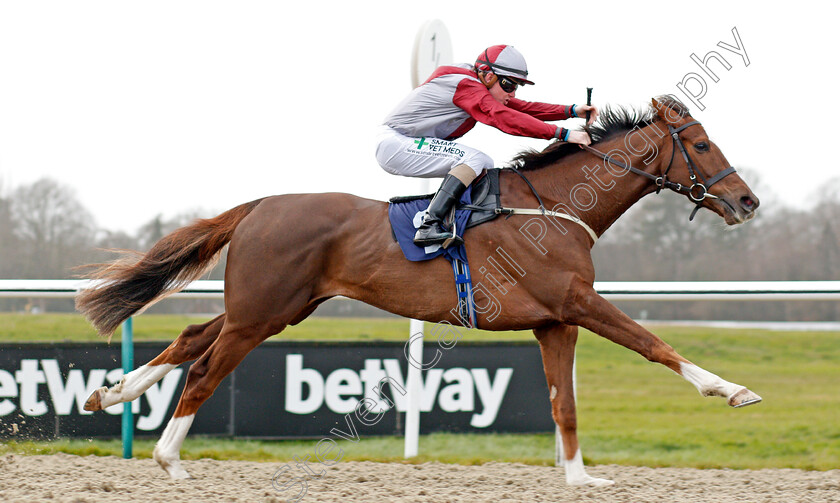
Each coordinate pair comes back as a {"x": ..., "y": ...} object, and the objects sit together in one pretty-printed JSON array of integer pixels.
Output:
[
  {"x": 53, "y": 229},
  {"x": 9, "y": 257}
]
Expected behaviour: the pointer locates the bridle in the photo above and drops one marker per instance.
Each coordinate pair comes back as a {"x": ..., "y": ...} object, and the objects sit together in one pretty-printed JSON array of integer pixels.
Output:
[{"x": 697, "y": 192}]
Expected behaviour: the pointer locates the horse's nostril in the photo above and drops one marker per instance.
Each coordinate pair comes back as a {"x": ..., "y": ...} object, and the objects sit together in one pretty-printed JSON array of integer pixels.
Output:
[{"x": 749, "y": 203}]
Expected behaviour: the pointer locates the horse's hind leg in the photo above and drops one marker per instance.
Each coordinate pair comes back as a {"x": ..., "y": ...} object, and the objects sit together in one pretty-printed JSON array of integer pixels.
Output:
[
  {"x": 202, "y": 379},
  {"x": 589, "y": 310},
  {"x": 192, "y": 343},
  {"x": 557, "y": 346}
]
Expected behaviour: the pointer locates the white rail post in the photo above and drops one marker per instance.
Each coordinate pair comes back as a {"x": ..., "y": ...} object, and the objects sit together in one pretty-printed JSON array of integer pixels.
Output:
[
  {"x": 412, "y": 413},
  {"x": 432, "y": 48}
]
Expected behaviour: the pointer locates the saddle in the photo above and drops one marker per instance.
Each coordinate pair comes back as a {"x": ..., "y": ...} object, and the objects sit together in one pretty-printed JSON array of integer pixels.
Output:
[{"x": 481, "y": 199}]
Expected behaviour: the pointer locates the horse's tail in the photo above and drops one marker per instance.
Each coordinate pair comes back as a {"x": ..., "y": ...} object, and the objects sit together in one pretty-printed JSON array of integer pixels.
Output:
[{"x": 135, "y": 281}]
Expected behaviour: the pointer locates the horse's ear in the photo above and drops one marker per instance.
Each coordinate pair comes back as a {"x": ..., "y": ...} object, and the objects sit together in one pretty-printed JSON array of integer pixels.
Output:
[
  {"x": 665, "y": 111},
  {"x": 659, "y": 107}
]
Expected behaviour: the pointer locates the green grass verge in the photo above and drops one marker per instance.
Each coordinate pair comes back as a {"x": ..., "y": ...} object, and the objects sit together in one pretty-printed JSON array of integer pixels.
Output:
[
  {"x": 629, "y": 410},
  {"x": 634, "y": 412},
  {"x": 444, "y": 447},
  {"x": 25, "y": 328}
]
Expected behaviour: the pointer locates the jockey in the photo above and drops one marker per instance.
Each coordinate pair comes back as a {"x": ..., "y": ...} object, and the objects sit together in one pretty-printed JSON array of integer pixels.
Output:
[{"x": 416, "y": 137}]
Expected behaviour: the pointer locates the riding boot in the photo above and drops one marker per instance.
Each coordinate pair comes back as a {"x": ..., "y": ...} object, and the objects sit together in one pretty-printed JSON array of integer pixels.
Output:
[{"x": 433, "y": 230}]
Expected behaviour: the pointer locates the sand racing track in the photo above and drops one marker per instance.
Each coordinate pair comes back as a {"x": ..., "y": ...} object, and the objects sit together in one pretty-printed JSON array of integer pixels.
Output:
[{"x": 67, "y": 478}]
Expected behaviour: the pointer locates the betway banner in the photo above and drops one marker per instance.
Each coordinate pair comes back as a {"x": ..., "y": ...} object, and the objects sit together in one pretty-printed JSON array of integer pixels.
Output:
[{"x": 281, "y": 390}]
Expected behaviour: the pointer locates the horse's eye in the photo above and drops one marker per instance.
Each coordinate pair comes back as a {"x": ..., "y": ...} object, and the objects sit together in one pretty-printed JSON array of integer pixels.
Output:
[{"x": 702, "y": 146}]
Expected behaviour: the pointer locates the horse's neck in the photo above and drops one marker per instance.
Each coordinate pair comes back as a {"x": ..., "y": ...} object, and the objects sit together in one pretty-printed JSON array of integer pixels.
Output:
[{"x": 576, "y": 178}]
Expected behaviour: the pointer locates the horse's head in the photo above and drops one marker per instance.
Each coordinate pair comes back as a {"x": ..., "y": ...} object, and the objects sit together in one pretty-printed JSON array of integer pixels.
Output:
[{"x": 700, "y": 168}]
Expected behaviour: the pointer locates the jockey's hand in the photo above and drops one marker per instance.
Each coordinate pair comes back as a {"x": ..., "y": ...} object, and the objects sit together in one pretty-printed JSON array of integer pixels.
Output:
[
  {"x": 579, "y": 137},
  {"x": 580, "y": 111}
]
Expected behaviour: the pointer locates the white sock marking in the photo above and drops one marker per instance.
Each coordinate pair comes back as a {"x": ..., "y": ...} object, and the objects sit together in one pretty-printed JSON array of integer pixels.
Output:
[
  {"x": 576, "y": 473},
  {"x": 135, "y": 383},
  {"x": 168, "y": 449},
  {"x": 707, "y": 383}
]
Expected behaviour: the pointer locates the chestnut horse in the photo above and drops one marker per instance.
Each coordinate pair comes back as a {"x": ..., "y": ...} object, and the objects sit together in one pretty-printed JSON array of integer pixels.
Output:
[{"x": 289, "y": 253}]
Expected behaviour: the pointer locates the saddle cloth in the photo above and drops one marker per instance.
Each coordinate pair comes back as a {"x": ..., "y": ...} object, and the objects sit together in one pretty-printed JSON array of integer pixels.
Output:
[{"x": 476, "y": 206}]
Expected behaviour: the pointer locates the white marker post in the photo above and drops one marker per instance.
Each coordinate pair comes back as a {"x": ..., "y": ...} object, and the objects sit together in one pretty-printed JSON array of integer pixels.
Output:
[
  {"x": 432, "y": 48},
  {"x": 412, "y": 413}
]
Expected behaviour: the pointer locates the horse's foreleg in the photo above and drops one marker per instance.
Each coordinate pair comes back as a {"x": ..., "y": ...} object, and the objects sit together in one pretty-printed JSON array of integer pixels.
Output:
[
  {"x": 203, "y": 378},
  {"x": 557, "y": 346},
  {"x": 192, "y": 343},
  {"x": 584, "y": 307}
]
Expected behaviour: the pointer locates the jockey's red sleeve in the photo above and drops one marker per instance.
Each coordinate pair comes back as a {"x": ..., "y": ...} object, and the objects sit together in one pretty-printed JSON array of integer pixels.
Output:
[
  {"x": 473, "y": 98},
  {"x": 542, "y": 111}
]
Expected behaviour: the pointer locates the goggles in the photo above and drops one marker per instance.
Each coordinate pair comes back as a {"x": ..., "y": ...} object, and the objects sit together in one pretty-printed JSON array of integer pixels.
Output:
[{"x": 508, "y": 84}]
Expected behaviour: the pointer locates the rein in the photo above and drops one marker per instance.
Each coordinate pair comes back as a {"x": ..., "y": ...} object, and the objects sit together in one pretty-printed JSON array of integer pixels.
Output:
[{"x": 699, "y": 189}]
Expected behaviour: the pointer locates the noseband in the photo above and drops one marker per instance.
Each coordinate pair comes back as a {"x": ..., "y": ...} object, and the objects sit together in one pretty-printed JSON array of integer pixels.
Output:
[{"x": 698, "y": 191}]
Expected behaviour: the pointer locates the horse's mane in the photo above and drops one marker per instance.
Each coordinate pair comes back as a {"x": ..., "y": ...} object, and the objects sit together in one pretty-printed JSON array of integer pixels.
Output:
[{"x": 612, "y": 120}]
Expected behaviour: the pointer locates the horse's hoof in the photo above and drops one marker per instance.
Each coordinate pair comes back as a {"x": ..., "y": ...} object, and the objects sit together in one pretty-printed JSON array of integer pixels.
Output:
[
  {"x": 171, "y": 465},
  {"x": 173, "y": 469},
  {"x": 588, "y": 481},
  {"x": 743, "y": 397},
  {"x": 94, "y": 402},
  {"x": 177, "y": 473}
]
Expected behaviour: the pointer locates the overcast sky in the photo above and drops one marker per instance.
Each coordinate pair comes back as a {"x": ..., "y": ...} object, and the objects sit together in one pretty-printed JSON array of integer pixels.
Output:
[{"x": 162, "y": 107}]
